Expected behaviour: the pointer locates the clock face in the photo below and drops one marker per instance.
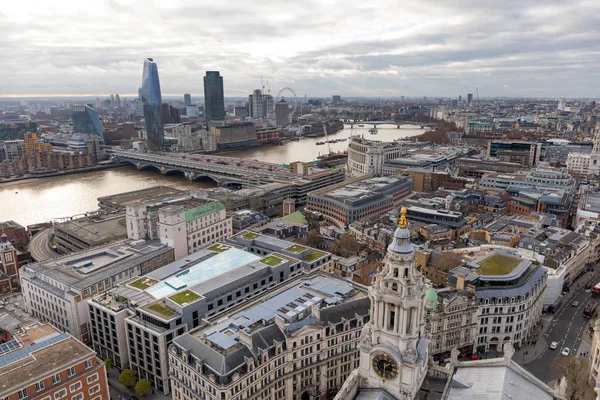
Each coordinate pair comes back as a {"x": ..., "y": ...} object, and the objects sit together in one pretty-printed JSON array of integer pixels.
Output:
[{"x": 385, "y": 366}]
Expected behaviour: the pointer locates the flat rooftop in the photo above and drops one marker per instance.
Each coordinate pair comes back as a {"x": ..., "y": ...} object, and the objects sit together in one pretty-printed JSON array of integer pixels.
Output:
[
  {"x": 36, "y": 353},
  {"x": 10, "y": 224},
  {"x": 96, "y": 229},
  {"x": 153, "y": 194},
  {"x": 88, "y": 267},
  {"x": 293, "y": 304},
  {"x": 219, "y": 263}
]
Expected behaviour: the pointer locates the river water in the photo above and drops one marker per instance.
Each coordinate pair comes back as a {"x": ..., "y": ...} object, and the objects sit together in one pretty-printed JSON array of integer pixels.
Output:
[
  {"x": 40, "y": 200},
  {"x": 307, "y": 150}
]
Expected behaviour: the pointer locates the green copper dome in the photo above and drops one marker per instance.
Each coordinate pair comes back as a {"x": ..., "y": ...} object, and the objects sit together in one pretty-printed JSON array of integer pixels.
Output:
[{"x": 431, "y": 295}]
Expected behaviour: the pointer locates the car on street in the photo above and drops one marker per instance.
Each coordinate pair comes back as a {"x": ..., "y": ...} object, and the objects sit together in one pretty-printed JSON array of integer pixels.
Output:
[
  {"x": 588, "y": 286},
  {"x": 565, "y": 351},
  {"x": 575, "y": 304},
  {"x": 553, "y": 345}
]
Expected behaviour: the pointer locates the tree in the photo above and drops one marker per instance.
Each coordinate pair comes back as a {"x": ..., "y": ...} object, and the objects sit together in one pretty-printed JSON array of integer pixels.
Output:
[
  {"x": 108, "y": 363},
  {"x": 346, "y": 244},
  {"x": 576, "y": 371},
  {"x": 142, "y": 387},
  {"x": 314, "y": 239},
  {"x": 127, "y": 377}
]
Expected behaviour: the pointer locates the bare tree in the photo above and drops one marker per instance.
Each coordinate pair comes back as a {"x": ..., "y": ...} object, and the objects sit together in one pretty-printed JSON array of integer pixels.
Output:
[
  {"x": 345, "y": 245},
  {"x": 576, "y": 371}
]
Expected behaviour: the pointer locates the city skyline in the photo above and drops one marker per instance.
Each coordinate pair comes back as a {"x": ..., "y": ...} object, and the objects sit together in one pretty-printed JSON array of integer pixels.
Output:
[{"x": 420, "y": 49}]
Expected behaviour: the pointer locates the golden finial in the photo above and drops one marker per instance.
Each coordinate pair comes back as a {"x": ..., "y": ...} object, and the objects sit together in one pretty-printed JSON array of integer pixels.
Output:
[{"x": 402, "y": 220}]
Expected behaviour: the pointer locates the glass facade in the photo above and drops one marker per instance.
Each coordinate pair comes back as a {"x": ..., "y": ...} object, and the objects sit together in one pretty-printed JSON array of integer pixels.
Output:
[
  {"x": 152, "y": 105},
  {"x": 15, "y": 130},
  {"x": 86, "y": 120},
  {"x": 214, "y": 100}
]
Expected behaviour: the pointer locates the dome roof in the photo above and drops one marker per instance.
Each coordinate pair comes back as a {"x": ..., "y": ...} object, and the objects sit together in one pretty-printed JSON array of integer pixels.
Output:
[{"x": 431, "y": 295}]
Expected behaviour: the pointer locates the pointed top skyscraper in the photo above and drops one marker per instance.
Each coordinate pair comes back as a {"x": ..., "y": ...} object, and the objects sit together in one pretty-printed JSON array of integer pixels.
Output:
[{"x": 152, "y": 103}]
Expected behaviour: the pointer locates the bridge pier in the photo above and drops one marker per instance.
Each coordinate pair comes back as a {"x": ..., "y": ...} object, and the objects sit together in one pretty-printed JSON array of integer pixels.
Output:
[
  {"x": 398, "y": 126},
  {"x": 190, "y": 175},
  {"x": 163, "y": 170},
  {"x": 138, "y": 165}
]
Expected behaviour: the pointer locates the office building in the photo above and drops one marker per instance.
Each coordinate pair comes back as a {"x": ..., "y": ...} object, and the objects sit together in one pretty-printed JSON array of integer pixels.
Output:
[
  {"x": 452, "y": 220},
  {"x": 358, "y": 199},
  {"x": 282, "y": 113},
  {"x": 366, "y": 157},
  {"x": 469, "y": 98},
  {"x": 240, "y": 112},
  {"x": 298, "y": 341},
  {"x": 86, "y": 120},
  {"x": 185, "y": 223},
  {"x": 451, "y": 319},
  {"x": 256, "y": 103},
  {"x": 55, "y": 290},
  {"x": 510, "y": 296},
  {"x": 154, "y": 194},
  {"x": 95, "y": 229},
  {"x": 336, "y": 99},
  {"x": 42, "y": 363},
  {"x": 214, "y": 98},
  {"x": 152, "y": 310},
  {"x": 152, "y": 105},
  {"x": 269, "y": 106},
  {"x": 526, "y": 153},
  {"x": 235, "y": 135},
  {"x": 187, "y": 99},
  {"x": 16, "y": 233},
  {"x": 13, "y": 149}
]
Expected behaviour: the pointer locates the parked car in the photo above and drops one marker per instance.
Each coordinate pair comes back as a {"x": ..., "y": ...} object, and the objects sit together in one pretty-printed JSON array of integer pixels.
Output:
[
  {"x": 565, "y": 351},
  {"x": 588, "y": 286},
  {"x": 553, "y": 345},
  {"x": 575, "y": 304}
]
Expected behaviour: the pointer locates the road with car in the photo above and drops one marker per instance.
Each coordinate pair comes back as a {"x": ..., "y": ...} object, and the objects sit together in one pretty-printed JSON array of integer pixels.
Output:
[{"x": 567, "y": 328}]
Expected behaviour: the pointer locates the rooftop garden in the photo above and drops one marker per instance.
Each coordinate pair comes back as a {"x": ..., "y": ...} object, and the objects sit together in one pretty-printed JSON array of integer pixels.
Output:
[
  {"x": 271, "y": 261},
  {"x": 296, "y": 249},
  {"x": 250, "y": 235},
  {"x": 313, "y": 255},
  {"x": 219, "y": 248},
  {"x": 498, "y": 264},
  {"x": 143, "y": 283},
  {"x": 162, "y": 309},
  {"x": 187, "y": 296}
]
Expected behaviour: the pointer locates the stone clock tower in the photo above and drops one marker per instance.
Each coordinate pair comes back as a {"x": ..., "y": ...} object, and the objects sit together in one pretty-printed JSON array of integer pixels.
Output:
[{"x": 394, "y": 344}]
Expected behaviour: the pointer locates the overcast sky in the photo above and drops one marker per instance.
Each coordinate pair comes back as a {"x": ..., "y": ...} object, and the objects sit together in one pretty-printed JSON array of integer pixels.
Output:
[{"x": 318, "y": 48}]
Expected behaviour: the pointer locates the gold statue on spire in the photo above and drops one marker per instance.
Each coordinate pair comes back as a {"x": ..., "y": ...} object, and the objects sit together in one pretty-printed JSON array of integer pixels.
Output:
[{"x": 402, "y": 220}]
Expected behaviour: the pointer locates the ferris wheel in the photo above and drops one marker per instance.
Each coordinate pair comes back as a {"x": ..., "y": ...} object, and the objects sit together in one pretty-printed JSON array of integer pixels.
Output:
[{"x": 289, "y": 96}]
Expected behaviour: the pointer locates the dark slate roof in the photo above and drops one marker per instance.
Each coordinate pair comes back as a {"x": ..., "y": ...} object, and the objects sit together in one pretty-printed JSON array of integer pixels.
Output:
[
  {"x": 222, "y": 364},
  {"x": 347, "y": 311},
  {"x": 266, "y": 337}
]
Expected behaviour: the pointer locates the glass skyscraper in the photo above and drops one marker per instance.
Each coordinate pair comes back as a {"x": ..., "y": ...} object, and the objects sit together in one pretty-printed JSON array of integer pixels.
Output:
[
  {"x": 214, "y": 99},
  {"x": 86, "y": 120},
  {"x": 152, "y": 105}
]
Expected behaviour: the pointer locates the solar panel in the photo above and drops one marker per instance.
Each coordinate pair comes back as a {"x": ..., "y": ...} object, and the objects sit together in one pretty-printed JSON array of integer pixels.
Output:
[{"x": 22, "y": 353}]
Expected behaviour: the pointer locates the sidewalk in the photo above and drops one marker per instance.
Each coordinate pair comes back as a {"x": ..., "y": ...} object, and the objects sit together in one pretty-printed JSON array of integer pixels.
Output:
[
  {"x": 124, "y": 392},
  {"x": 531, "y": 352}
]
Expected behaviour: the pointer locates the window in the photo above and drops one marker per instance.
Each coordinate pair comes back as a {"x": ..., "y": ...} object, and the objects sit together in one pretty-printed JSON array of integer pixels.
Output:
[
  {"x": 71, "y": 372},
  {"x": 23, "y": 394},
  {"x": 88, "y": 364},
  {"x": 78, "y": 396},
  {"x": 94, "y": 389},
  {"x": 60, "y": 394},
  {"x": 39, "y": 386},
  {"x": 76, "y": 386},
  {"x": 55, "y": 379}
]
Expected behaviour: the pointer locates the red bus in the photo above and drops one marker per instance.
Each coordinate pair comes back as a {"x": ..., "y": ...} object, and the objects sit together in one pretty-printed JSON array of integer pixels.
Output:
[
  {"x": 590, "y": 309},
  {"x": 596, "y": 290}
]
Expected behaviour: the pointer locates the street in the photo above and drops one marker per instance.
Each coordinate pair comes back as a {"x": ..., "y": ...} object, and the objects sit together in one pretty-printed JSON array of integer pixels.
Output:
[{"x": 567, "y": 327}]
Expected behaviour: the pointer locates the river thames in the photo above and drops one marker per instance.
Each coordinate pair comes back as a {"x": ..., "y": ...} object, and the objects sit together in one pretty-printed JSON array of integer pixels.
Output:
[{"x": 40, "y": 200}]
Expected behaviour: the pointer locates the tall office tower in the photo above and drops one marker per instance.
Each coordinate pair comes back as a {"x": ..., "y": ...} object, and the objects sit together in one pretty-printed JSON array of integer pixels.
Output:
[
  {"x": 469, "y": 98},
  {"x": 187, "y": 99},
  {"x": 459, "y": 98},
  {"x": 86, "y": 120},
  {"x": 152, "y": 105},
  {"x": 214, "y": 100},
  {"x": 454, "y": 104},
  {"x": 97, "y": 102},
  {"x": 269, "y": 106},
  {"x": 257, "y": 104},
  {"x": 282, "y": 112},
  {"x": 112, "y": 100},
  {"x": 117, "y": 101}
]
